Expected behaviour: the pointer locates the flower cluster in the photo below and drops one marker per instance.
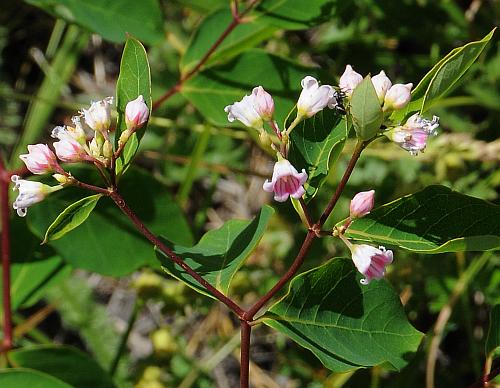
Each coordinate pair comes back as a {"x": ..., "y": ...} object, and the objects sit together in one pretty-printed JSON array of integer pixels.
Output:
[{"x": 87, "y": 140}]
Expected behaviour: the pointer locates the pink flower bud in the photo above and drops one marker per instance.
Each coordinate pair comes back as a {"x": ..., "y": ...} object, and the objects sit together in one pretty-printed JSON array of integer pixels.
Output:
[
  {"x": 69, "y": 150},
  {"x": 362, "y": 203},
  {"x": 30, "y": 192},
  {"x": 98, "y": 116},
  {"x": 136, "y": 113},
  {"x": 263, "y": 103},
  {"x": 398, "y": 96},
  {"x": 370, "y": 261},
  {"x": 382, "y": 84},
  {"x": 286, "y": 181},
  {"x": 349, "y": 80},
  {"x": 413, "y": 135},
  {"x": 314, "y": 97},
  {"x": 39, "y": 159}
]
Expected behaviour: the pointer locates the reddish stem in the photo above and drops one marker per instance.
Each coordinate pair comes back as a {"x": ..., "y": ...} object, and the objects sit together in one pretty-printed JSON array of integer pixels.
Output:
[
  {"x": 7, "y": 308},
  {"x": 246, "y": 330}
]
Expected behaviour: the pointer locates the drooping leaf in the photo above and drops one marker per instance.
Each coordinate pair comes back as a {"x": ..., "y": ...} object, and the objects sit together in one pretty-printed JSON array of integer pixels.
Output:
[
  {"x": 434, "y": 220},
  {"x": 71, "y": 217},
  {"x": 23, "y": 377},
  {"x": 493, "y": 337},
  {"x": 315, "y": 145},
  {"x": 66, "y": 363},
  {"x": 110, "y": 18},
  {"x": 441, "y": 78},
  {"x": 367, "y": 115},
  {"x": 241, "y": 38},
  {"x": 107, "y": 242},
  {"x": 345, "y": 324},
  {"x": 219, "y": 253},
  {"x": 214, "y": 88},
  {"x": 134, "y": 80}
]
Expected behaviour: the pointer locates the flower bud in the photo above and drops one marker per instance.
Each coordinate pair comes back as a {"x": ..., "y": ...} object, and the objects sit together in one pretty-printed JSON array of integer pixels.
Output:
[
  {"x": 286, "y": 181},
  {"x": 349, "y": 80},
  {"x": 382, "y": 84},
  {"x": 107, "y": 149},
  {"x": 69, "y": 150},
  {"x": 263, "y": 103},
  {"x": 136, "y": 113},
  {"x": 39, "y": 159},
  {"x": 62, "y": 179},
  {"x": 362, "y": 204},
  {"x": 125, "y": 135},
  {"x": 95, "y": 147},
  {"x": 314, "y": 97},
  {"x": 398, "y": 96},
  {"x": 30, "y": 192},
  {"x": 98, "y": 116},
  {"x": 264, "y": 138}
]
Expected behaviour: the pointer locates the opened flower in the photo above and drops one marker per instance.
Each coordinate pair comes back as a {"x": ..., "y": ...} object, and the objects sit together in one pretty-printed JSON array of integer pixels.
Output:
[
  {"x": 413, "y": 135},
  {"x": 39, "y": 159},
  {"x": 30, "y": 192},
  {"x": 98, "y": 116},
  {"x": 252, "y": 110},
  {"x": 314, "y": 97},
  {"x": 286, "y": 181},
  {"x": 370, "y": 261}
]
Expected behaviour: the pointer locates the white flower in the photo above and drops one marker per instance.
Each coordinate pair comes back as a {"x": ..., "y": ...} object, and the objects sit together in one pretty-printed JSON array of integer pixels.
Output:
[
  {"x": 30, "y": 192},
  {"x": 349, "y": 80},
  {"x": 314, "y": 97},
  {"x": 370, "y": 261},
  {"x": 286, "y": 181},
  {"x": 98, "y": 116},
  {"x": 245, "y": 112},
  {"x": 69, "y": 150},
  {"x": 382, "y": 84},
  {"x": 398, "y": 96}
]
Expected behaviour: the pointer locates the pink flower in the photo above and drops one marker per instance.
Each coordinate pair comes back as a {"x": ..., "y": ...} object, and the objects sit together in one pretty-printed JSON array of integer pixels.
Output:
[
  {"x": 398, "y": 96},
  {"x": 136, "y": 113},
  {"x": 349, "y": 80},
  {"x": 69, "y": 150},
  {"x": 314, "y": 97},
  {"x": 286, "y": 181},
  {"x": 362, "y": 203},
  {"x": 370, "y": 261},
  {"x": 39, "y": 159},
  {"x": 245, "y": 112},
  {"x": 263, "y": 103},
  {"x": 413, "y": 135}
]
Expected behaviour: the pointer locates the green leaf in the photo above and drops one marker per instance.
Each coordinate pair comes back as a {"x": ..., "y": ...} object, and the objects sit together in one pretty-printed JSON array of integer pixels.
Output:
[
  {"x": 295, "y": 14},
  {"x": 220, "y": 253},
  {"x": 434, "y": 220},
  {"x": 315, "y": 145},
  {"x": 367, "y": 115},
  {"x": 345, "y": 324},
  {"x": 493, "y": 338},
  {"x": 107, "y": 242},
  {"x": 112, "y": 19},
  {"x": 241, "y": 38},
  {"x": 71, "y": 217},
  {"x": 441, "y": 78},
  {"x": 134, "y": 80},
  {"x": 212, "y": 89},
  {"x": 65, "y": 363},
  {"x": 22, "y": 377}
]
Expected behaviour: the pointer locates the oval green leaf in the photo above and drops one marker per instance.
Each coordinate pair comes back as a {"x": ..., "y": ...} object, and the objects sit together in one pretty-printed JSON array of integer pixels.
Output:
[
  {"x": 220, "y": 253},
  {"x": 23, "y": 377},
  {"x": 434, "y": 220},
  {"x": 367, "y": 115},
  {"x": 71, "y": 217},
  {"x": 345, "y": 324}
]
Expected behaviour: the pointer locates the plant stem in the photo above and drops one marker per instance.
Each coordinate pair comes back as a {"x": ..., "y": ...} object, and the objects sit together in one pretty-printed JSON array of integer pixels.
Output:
[
  {"x": 246, "y": 330},
  {"x": 7, "y": 308},
  {"x": 237, "y": 19},
  {"x": 120, "y": 202}
]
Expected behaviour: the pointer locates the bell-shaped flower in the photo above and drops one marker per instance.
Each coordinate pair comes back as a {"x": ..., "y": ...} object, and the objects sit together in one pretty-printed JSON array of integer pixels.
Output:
[
  {"x": 362, "y": 204},
  {"x": 69, "y": 150},
  {"x": 398, "y": 96},
  {"x": 382, "y": 84},
  {"x": 39, "y": 159},
  {"x": 349, "y": 80},
  {"x": 413, "y": 135},
  {"x": 136, "y": 113},
  {"x": 245, "y": 112},
  {"x": 314, "y": 97},
  {"x": 286, "y": 181},
  {"x": 76, "y": 133},
  {"x": 263, "y": 103},
  {"x": 98, "y": 116},
  {"x": 30, "y": 192},
  {"x": 370, "y": 261}
]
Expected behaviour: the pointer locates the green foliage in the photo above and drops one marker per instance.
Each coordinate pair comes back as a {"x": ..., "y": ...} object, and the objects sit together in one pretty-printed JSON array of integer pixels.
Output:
[
  {"x": 71, "y": 217},
  {"x": 134, "y": 81},
  {"x": 367, "y": 115},
  {"x": 220, "y": 253},
  {"x": 23, "y": 377},
  {"x": 65, "y": 363},
  {"x": 112, "y": 19},
  {"x": 434, "y": 220},
  {"x": 493, "y": 336},
  {"x": 346, "y": 325},
  {"x": 316, "y": 144}
]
